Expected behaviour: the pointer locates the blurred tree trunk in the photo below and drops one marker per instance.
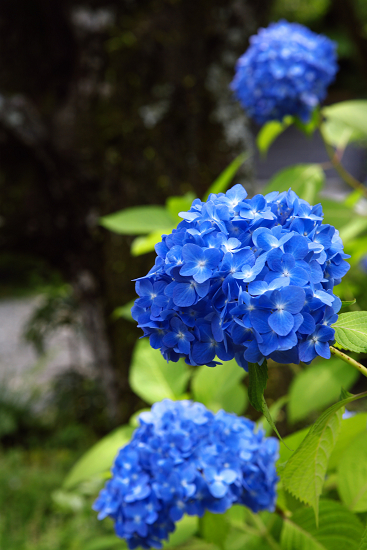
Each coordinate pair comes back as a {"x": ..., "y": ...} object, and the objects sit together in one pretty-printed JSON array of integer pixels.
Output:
[
  {"x": 346, "y": 13},
  {"x": 104, "y": 105}
]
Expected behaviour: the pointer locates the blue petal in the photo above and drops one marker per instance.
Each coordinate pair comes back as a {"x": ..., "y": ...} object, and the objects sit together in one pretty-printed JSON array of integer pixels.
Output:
[
  {"x": 286, "y": 357},
  {"x": 183, "y": 346},
  {"x": 281, "y": 322},
  {"x": 323, "y": 349},
  {"x": 212, "y": 257},
  {"x": 308, "y": 326},
  {"x": 292, "y": 298},
  {"x": 218, "y": 489},
  {"x": 267, "y": 241},
  {"x": 269, "y": 343},
  {"x": 299, "y": 277},
  {"x": 170, "y": 339},
  {"x": 192, "y": 253},
  {"x": 144, "y": 287},
  {"x": 184, "y": 295},
  {"x": 202, "y": 289},
  {"x": 228, "y": 475},
  {"x": 307, "y": 350},
  {"x": 203, "y": 352},
  {"x": 259, "y": 320},
  {"x": 297, "y": 246}
]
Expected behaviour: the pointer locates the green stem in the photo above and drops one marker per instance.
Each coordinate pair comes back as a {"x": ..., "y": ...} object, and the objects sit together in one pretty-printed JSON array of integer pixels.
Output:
[
  {"x": 264, "y": 533},
  {"x": 349, "y": 360},
  {"x": 335, "y": 161}
]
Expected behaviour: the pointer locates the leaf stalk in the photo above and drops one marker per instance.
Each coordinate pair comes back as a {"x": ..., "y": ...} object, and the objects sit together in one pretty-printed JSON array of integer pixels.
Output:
[
  {"x": 343, "y": 173},
  {"x": 349, "y": 360}
]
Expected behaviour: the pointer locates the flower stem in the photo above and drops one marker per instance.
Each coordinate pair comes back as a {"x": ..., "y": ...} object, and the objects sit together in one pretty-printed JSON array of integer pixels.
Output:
[
  {"x": 335, "y": 161},
  {"x": 349, "y": 360},
  {"x": 264, "y": 532}
]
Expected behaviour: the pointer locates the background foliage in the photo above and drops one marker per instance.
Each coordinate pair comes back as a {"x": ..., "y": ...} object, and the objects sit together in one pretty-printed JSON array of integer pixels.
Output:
[{"x": 125, "y": 104}]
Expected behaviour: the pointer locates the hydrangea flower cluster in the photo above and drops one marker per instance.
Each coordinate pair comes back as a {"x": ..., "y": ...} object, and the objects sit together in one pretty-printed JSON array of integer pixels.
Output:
[
  {"x": 183, "y": 459},
  {"x": 244, "y": 278},
  {"x": 285, "y": 71}
]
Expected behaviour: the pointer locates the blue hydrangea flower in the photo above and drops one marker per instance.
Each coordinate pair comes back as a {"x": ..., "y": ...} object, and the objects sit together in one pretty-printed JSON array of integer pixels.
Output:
[
  {"x": 348, "y": 414},
  {"x": 184, "y": 459},
  {"x": 285, "y": 71},
  {"x": 246, "y": 279}
]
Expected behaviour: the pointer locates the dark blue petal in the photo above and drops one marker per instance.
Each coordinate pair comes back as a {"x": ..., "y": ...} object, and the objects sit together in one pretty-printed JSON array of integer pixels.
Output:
[
  {"x": 184, "y": 295},
  {"x": 281, "y": 322},
  {"x": 323, "y": 349},
  {"x": 203, "y": 352}
]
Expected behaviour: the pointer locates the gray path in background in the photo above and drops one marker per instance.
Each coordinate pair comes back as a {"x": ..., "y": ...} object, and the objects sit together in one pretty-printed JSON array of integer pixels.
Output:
[
  {"x": 293, "y": 147},
  {"x": 20, "y": 366}
]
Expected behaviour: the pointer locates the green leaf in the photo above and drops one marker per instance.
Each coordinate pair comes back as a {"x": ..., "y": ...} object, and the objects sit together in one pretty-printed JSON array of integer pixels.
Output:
[
  {"x": 357, "y": 249},
  {"x": 174, "y": 205},
  {"x": 238, "y": 540},
  {"x": 285, "y": 501},
  {"x": 351, "y": 331},
  {"x": 337, "y": 213},
  {"x": 67, "y": 501},
  {"x": 338, "y": 529},
  {"x": 152, "y": 378},
  {"x": 353, "y": 229},
  {"x": 352, "y": 113},
  {"x": 304, "y": 473},
  {"x": 224, "y": 180},
  {"x": 185, "y": 528},
  {"x": 99, "y": 458},
  {"x": 269, "y": 418},
  {"x": 105, "y": 543},
  {"x": 363, "y": 543},
  {"x": 304, "y": 179},
  {"x": 214, "y": 528},
  {"x": 139, "y": 220},
  {"x": 350, "y": 429},
  {"x": 309, "y": 127},
  {"x": 274, "y": 411},
  {"x": 195, "y": 543},
  {"x": 352, "y": 475},
  {"x": 317, "y": 386},
  {"x": 353, "y": 198},
  {"x": 146, "y": 243},
  {"x": 258, "y": 376},
  {"x": 338, "y": 134},
  {"x": 178, "y": 204},
  {"x": 123, "y": 312},
  {"x": 347, "y": 303},
  {"x": 220, "y": 388},
  {"x": 292, "y": 442},
  {"x": 270, "y": 131}
]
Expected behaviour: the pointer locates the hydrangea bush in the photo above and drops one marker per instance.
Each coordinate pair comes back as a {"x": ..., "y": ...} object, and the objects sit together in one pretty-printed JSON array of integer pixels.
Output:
[
  {"x": 183, "y": 459},
  {"x": 248, "y": 279},
  {"x": 285, "y": 71},
  {"x": 244, "y": 278}
]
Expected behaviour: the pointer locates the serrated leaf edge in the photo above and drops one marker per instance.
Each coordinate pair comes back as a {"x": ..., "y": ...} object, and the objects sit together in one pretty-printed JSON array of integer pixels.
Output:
[{"x": 324, "y": 417}]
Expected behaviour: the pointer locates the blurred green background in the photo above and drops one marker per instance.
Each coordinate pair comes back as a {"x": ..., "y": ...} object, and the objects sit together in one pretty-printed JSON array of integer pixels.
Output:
[{"x": 106, "y": 105}]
